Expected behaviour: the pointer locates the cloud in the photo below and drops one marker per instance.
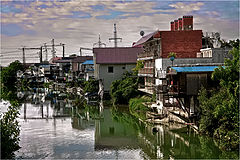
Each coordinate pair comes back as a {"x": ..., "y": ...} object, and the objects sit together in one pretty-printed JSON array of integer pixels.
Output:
[
  {"x": 78, "y": 23},
  {"x": 186, "y": 8}
]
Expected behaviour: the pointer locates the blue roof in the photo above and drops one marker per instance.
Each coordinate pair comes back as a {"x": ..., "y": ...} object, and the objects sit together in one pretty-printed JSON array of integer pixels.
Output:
[
  {"x": 88, "y": 62},
  {"x": 195, "y": 69}
]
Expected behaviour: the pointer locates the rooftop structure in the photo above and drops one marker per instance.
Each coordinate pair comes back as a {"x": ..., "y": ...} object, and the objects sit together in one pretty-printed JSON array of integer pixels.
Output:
[{"x": 120, "y": 55}]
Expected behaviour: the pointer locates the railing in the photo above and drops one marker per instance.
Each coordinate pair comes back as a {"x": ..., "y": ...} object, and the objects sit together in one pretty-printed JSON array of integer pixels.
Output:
[
  {"x": 161, "y": 74},
  {"x": 146, "y": 54},
  {"x": 146, "y": 71}
]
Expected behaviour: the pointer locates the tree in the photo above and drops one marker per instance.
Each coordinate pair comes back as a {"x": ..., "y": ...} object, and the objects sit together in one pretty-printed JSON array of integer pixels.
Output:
[
  {"x": 220, "y": 112},
  {"x": 10, "y": 132},
  {"x": 124, "y": 89},
  {"x": 9, "y": 124},
  {"x": 9, "y": 74}
]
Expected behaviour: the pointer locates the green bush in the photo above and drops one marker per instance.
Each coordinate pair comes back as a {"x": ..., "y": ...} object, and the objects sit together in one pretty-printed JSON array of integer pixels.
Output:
[
  {"x": 91, "y": 86},
  {"x": 219, "y": 108},
  {"x": 124, "y": 89},
  {"x": 10, "y": 132}
]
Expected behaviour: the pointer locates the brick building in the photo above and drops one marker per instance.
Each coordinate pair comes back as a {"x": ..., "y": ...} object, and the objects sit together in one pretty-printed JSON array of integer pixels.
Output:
[{"x": 181, "y": 39}]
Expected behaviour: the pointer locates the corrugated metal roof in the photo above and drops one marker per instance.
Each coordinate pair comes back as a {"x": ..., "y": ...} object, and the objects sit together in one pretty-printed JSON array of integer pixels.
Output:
[
  {"x": 144, "y": 39},
  {"x": 195, "y": 69},
  {"x": 88, "y": 62},
  {"x": 81, "y": 59},
  {"x": 120, "y": 55}
]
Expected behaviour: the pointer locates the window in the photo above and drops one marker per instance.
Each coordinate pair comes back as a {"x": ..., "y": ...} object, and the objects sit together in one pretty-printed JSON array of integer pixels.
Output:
[
  {"x": 123, "y": 67},
  {"x": 110, "y": 69}
]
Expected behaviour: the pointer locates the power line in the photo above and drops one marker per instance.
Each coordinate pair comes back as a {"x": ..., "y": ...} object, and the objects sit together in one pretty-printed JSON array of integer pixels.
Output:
[{"x": 9, "y": 52}]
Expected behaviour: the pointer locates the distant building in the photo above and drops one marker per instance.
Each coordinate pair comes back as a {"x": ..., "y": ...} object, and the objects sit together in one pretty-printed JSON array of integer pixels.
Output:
[
  {"x": 69, "y": 68},
  {"x": 77, "y": 65},
  {"x": 88, "y": 69},
  {"x": 111, "y": 63}
]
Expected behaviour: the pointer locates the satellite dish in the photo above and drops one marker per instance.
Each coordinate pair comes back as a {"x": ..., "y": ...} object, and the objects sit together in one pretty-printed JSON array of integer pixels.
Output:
[{"x": 142, "y": 33}]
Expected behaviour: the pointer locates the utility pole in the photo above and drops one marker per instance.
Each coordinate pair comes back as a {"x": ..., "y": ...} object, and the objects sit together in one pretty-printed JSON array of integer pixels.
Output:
[
  {"x": 24, "y": 60},
  {"x": 115, "y": 39},
  {"x": 40, "y": 53},
  {"x": 63, "y": 48},
  {"x": 99, "y": 43},
  {"x": 45, "y": 46},
  {"x": 41, "y": 49},
  {"x": 53, "y": 49}
]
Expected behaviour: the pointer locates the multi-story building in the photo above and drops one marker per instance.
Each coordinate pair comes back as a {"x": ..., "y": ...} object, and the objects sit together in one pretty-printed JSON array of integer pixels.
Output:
[
  {"x": 181, "y": 39},
  {"x": 187, "y": 44}
]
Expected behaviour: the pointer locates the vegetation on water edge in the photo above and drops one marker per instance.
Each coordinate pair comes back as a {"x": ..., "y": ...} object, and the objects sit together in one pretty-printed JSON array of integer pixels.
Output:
[
  {"x": 137, "y": 107},
  {"x": 219, "y": 108},
  {"x": 10, "y": 128},
  {"x": 91, "y": 86},
  {"x": 10, "y": 131},
  {"x": 123, "y": 90}
]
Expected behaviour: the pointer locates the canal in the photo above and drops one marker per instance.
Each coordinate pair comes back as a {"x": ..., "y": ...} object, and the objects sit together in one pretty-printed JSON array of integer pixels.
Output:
[{"x": 51, "y": 128}]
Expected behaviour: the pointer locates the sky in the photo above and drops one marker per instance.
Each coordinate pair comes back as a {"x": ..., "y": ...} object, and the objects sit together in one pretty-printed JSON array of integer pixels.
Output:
[{"x": 78, "y": 23}]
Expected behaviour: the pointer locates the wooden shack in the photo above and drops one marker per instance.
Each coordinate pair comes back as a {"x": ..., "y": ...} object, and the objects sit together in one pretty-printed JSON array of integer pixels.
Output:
[{"x": 183, "y": 85}]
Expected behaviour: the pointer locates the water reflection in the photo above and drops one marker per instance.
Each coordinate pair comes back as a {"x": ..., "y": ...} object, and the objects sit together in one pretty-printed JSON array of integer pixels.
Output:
[{"x": 51, "y": 127}]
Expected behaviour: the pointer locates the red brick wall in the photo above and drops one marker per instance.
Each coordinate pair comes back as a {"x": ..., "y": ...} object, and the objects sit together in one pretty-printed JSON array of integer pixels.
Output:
[
  {"x": 180, "y": 24},
  {"x": 187, "y": 21},
  {"x": 175, "y": 25},
  {"x": 185, "y": 44},
  {"x": 172, "y": 26}
]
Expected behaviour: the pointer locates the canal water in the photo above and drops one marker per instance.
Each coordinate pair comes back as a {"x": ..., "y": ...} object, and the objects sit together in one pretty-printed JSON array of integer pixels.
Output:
[{"x": 51, "y": 128}]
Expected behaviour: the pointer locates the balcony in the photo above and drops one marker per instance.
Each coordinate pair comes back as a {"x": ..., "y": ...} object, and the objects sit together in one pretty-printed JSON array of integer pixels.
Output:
[
  {"x": 145, "y": 55},
  {"x": 149, "y": 72},
  {"x": 161, "y": 74}
]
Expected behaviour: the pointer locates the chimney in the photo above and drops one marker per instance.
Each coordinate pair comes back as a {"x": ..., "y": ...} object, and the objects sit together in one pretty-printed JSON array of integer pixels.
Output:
[
  {"x": 187, "y": 22},
  {"x": 172, "y": 26},
  {"x": 180, "y": 24},
  {"x": 176, "y": 25}
]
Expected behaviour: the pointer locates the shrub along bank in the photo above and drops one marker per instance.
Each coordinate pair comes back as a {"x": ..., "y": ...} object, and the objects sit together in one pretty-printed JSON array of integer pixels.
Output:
[
  {"x": 219, "y": 108},
  {"x": 123, "y": 90}
]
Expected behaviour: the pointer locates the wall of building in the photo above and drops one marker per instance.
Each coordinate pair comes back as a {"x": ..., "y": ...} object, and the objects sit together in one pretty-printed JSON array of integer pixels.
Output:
[
  {"x": 163, "y": 63},
  {"x": 218, "y": 54},
  {"x": 108, "y": 78},
  {"x": 185, "y": 44}
]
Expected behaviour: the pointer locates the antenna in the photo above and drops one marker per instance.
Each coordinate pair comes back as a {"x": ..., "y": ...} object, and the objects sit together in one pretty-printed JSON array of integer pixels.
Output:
[
  {"x": 99, "y": 43},
  {"x": 115, "y": 36}
]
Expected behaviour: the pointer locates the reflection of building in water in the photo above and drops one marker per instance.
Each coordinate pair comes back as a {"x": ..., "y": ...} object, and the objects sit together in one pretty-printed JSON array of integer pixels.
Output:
[
  {"x": 110, "y": 134},
  {"x": 81, "y": 119},
  {"x": 165, "y": 142},
  {"x": 37, "y": 105}
]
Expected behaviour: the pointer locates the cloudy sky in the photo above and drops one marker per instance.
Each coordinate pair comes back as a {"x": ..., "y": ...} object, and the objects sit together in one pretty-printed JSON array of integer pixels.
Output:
[{"x": 77, "y": 23}]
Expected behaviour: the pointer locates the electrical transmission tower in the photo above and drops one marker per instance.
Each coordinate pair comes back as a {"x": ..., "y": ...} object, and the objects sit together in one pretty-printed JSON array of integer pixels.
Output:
[
  {"x": 115, "y": 39},
  {"x": 99, "y": 43},
  {"x": 53, "y": 48}
]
